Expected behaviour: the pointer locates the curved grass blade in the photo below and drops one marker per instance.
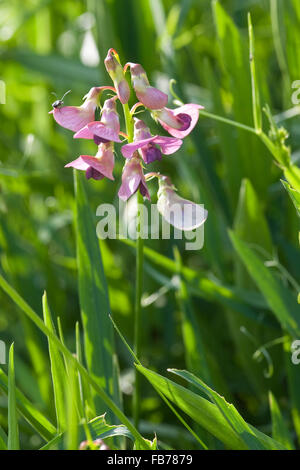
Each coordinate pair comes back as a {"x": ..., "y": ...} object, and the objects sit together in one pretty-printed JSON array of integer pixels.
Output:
[
  {"x": 57, "y": 370},
  {"x": 30, "y": 313},
  {"x": 229, "y": 412},
  {"x": 204, "y": 412}
]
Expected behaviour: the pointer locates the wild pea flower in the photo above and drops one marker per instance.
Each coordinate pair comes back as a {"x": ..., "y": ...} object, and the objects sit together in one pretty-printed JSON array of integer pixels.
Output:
[
  {"x": 133, "y": 179},
  {"x": 76, "y": 117},
  {"x": 145, "y": 147},
  {"x": 150, "y": 147},
  {"x": 178, "y": 122},
  {"x": 151, "y": 97},
  {"x": 116, "y": 73},
  {"x": 181, "y": 213},
  {"x": 105, "y": 130},
  {"x": 99, "y": 166}
]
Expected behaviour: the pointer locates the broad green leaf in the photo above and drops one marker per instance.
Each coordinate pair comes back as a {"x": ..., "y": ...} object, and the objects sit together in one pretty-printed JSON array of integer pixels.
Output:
[
  {"x": 93, "y": 295},
  {"x": 13, "y": 427},
  {"x": 203, "y": 412},
  {"x": 98, "y": 428},
  {"x": 57, "y": 370},
  {"x": 280, "y": 300},
  {"x": 280, "y": 431}
]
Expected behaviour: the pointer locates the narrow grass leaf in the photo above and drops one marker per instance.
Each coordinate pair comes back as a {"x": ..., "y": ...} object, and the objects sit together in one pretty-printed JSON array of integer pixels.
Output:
[
  {"x": 280, "y": 431},
  {"x": 57, "y": 370},
  {"x": 280, "y": 300},
  {"x": 13, "y": 427},
  {"x": 33, "y": 416},
  {"x": 229, "y": 412},
  {"x": 30, "y": 313}
]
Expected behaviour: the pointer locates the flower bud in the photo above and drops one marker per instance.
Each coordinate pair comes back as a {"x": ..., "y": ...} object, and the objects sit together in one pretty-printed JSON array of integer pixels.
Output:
[
  {"x": 116, "y": 73},
  {"x": 151, "y": 97}
]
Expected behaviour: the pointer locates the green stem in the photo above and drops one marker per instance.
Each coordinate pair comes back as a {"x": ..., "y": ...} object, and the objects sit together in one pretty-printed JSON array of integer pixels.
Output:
[
  {"x": 228, "y": 121},
  {"x": 138, "y": 281},
  {"x": 137, "y": 310}
]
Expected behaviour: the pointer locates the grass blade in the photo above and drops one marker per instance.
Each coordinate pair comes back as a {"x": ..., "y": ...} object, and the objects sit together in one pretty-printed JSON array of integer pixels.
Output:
[
  {"x": 13, "y": 427},
  {"x": 279, "y": 430},
  {"x": 57, "y": 370},
  {"x": 279, "y": 298}
]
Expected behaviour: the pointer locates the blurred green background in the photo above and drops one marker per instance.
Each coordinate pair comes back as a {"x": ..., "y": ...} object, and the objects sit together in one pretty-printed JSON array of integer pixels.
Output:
[{"x": 53, "y": 46}]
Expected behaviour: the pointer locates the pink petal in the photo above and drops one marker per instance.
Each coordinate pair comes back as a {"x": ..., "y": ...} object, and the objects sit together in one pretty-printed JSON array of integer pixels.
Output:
[
  {"x": 129, "y": 149},
  {"x": 79, "y": 164},
  {"x": 103, "y": 165},
  {"x": 73, "y": 117},
  {"x": 101, "y": 130},
  {"x": 129, "y": 186},
  {"x": 168, "y": 145},
  {"x": 191, "y": 110},
  {"x": 152, "y": 98},
  {"x": 84, "y": 133}
]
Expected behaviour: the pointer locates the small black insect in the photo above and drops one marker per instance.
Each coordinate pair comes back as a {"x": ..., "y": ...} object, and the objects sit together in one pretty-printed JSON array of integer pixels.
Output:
[{"x": 59, "y": 103}]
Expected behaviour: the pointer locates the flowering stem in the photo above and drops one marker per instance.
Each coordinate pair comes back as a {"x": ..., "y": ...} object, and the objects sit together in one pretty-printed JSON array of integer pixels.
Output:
[
  {"x": 128, "y": 122},
  {"x": 138, "y": 280},
  {"x": 137, "y": 310}
]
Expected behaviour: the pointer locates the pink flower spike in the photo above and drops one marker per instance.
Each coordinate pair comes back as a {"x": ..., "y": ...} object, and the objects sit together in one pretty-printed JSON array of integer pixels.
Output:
[
  {"x": 99, "y": 166},
  {"x": 179, "y": 122},
  {"x": 151, "y": 97},
  {"x": 76, "y": 117},
  {"x": 133, "y": 179}
]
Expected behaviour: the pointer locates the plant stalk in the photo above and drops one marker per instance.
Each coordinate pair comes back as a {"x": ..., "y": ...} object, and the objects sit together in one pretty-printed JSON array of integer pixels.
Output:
[{"x": 138, "y": 282}]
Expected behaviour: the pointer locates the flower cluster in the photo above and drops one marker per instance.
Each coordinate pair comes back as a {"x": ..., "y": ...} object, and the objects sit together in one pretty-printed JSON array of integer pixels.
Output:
[{"x": 140, "y": 150}]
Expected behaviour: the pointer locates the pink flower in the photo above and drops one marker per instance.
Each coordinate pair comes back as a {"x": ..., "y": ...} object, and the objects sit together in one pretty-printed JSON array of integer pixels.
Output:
[
  {"x": 150, "y": 147},
  {"x": 76, "y": 117},
  {"x": 179, "y": 122},
  {"x": 150, "y": 97},
  {"x": 105, "y": 130},
  {"x": 116, "y": 73},
  {"x": 97, "y": 167},
  {"x": 133, "y": 179},
  {"x": 181, "y": 213}
]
